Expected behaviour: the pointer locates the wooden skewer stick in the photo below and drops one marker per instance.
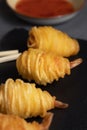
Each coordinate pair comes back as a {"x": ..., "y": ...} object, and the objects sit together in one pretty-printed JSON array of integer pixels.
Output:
[
  {"x": 8, "y": 52},
  {"x": 9, "y": 58}
]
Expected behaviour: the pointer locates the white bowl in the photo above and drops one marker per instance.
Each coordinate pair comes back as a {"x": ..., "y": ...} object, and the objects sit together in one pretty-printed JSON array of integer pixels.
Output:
[{"x": 78, "y": 4}]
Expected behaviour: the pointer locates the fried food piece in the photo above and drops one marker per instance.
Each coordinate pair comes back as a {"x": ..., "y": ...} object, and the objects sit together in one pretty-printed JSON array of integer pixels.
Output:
[
  {"x": 25, "y": 100},
  {"x": 41, "y": 66},
  {"x": 12, "y": 122},
  {"x": 50, "y": 39}
]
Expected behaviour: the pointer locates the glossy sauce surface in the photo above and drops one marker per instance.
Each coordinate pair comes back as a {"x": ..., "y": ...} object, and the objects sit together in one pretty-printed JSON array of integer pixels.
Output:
[{"x": 44, "y": 8}]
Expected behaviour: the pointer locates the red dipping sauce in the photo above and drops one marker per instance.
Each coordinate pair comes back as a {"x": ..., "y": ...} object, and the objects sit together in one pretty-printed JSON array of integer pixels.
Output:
[{"x": 44, "y": 8}]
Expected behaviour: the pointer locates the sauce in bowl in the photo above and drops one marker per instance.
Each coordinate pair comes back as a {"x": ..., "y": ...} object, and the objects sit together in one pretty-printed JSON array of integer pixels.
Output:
[{"x": 44, "y": 8}]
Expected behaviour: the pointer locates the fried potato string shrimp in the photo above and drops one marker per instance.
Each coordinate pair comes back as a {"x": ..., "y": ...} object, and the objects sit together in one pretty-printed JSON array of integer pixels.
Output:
[
  {"x": 43, "y": 67},
  {"x": 50, "y": 39},
  {"x": 12, "y": 122},
  {"x": 25, "y": 100}
]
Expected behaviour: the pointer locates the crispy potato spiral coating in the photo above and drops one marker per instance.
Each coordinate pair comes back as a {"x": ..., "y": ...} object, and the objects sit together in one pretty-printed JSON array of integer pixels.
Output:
[
  {"x": 41, "y": 66},
  {"x": 23, "y": 99},
  {"x": 50, "y": 39},
  {"x": 12, "y": 122}
]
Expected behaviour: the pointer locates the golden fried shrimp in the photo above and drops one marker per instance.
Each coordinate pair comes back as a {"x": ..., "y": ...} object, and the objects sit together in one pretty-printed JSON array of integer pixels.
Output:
[
  {"x": 50, "y": 39},
  {"x": 25, "y": 100},
  {"x": 43, "y": 67},
  {"x": 12, "y": 122}
]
